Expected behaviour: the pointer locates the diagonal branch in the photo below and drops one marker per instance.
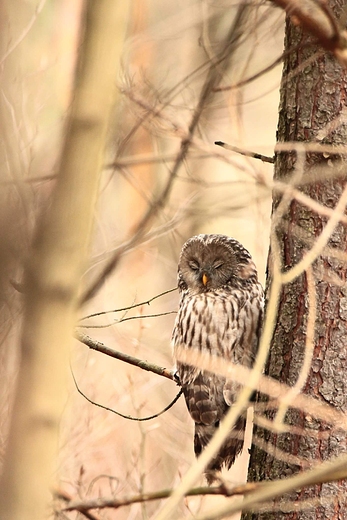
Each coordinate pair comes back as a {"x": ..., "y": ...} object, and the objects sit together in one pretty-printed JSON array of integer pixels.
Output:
[{"x": 145, "y": 365}]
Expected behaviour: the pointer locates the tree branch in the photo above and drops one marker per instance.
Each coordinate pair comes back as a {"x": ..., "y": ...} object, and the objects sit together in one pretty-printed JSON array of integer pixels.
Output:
[
  {"x": 129, "y": 417},
  {"x": 317, "y": 19},
  {"x": 123, "y": 309},
  {"x": 145, "y": 365},
  {"x": 258, "y": 492},
  {"x": 115, "y": 503}
]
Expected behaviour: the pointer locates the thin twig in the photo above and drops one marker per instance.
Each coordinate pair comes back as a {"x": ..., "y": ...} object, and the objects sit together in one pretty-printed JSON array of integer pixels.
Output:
[
  {"x": 24, "y": 33},
  {"x": 326, "y": 149},
  {"x": 140, "y": 228},
  {"x": 308, "y": 239},
  {"x": 122, "y": 320},
  {"x": 246, "y": 153},
  {"x": 122, "y": 309},
  {"x": 129, "y": 417}
]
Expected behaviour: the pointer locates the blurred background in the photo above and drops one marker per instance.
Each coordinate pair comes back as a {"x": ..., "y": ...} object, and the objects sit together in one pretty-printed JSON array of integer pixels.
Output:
[{"x": 166, "y": 57}]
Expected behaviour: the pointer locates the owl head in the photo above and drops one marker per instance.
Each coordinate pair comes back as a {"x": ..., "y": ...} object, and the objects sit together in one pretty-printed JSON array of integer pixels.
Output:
[{"x": 208, "y": 262}]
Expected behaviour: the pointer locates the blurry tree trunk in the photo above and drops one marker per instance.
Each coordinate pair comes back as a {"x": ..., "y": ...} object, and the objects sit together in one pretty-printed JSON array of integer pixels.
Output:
[
  {"x": 312, "y": 97},
  {"x": 54, "y": 269}
]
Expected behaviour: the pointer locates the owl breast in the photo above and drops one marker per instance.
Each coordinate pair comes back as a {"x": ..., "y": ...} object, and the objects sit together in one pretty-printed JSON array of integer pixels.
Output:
[{"x": 220, "y": 322}]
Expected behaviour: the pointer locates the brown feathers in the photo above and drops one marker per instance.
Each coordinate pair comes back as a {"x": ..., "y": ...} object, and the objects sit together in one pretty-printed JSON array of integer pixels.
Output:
[{"x": 220, "y": 312}]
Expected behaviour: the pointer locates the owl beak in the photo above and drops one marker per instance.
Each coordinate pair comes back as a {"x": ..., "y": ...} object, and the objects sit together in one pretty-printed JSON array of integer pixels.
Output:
[{"x": 204, "y": 279}]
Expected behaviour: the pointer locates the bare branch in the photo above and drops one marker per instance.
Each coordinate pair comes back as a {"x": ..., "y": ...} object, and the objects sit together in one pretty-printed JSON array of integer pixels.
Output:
[
  {"x": 246, "y": 153},
  {"x": 258, "y": 492},
  {"x": 145, "y": 365},
  {"x": 115, "y": 503},
  {"x": 129, "y": 318},
  {"x": 304, "y": 199},
  {"x": 129, "y": 417},
  {"x": 25, "y": 31},
  {"x": 122, "y": 309},
  {"x": 317, "y": 19},
  {"x": 63, "y": 495}
]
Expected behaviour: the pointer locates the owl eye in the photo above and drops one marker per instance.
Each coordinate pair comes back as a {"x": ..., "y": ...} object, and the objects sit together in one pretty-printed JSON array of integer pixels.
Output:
[
  {"x": 218, "y": 264},
  {"x": 193, "y": 265}
]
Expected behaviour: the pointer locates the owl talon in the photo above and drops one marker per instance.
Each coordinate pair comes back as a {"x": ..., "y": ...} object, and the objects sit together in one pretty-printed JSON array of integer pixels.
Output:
[{"x": 176, "y": 377}]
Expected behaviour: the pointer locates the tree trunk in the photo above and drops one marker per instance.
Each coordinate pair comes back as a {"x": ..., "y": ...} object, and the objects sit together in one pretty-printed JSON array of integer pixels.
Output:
[
  {"x": 54, "y": 269},
  {"x": 313, "y": 101}
]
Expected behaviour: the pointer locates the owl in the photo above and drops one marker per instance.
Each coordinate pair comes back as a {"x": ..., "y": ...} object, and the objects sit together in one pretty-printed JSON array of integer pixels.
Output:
[{"x": 220, "y": 312}]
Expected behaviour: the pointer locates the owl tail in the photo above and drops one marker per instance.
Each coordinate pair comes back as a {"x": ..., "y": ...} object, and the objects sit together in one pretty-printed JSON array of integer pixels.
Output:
[{"x": 228, "y": 452}]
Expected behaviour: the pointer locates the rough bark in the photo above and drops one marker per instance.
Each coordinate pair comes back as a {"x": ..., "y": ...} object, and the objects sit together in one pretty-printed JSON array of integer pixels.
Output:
[{"x": 312, "y": 96}]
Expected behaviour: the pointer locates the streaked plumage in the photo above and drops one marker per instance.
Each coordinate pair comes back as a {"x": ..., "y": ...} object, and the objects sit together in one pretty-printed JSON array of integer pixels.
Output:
[{"x": 220, "y": 312}]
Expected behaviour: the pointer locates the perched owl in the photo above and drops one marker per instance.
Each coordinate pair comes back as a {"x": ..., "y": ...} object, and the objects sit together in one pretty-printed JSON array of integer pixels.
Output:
[{"x": 220, "y": 312}]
